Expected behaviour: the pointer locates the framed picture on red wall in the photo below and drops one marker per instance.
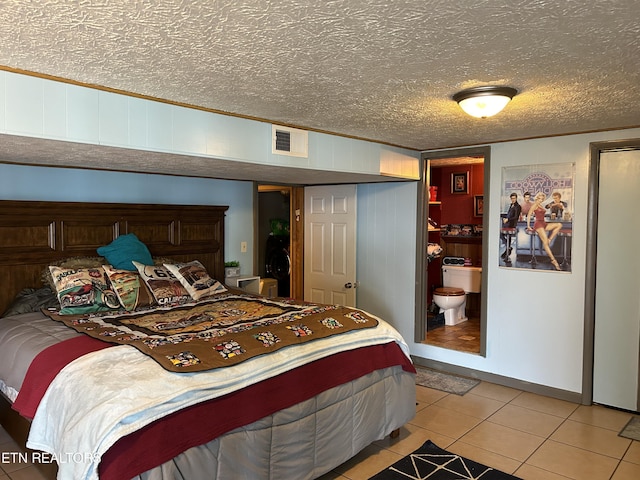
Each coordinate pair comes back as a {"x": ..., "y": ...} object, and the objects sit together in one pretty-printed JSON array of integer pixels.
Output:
[
  {"x": 478, "y": 205},
  {"x": 460, "y": 182}
]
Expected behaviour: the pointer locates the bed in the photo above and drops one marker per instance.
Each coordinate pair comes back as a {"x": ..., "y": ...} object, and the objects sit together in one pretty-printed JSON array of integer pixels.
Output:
[{"x": 297, "y": 412}]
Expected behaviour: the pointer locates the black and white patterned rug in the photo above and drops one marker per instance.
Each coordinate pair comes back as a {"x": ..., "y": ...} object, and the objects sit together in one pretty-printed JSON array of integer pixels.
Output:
[{"x": 433, "y": 463}]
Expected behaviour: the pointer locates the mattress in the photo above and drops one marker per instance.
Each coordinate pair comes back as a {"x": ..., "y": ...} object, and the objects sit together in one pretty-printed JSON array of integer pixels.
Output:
[
  {"x": 304, "y": 440},
  {"x": 22, "y": 338}
]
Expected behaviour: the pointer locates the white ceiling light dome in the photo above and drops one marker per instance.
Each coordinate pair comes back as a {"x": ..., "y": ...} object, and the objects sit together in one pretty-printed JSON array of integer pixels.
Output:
[{"x": 485, "y": 101}]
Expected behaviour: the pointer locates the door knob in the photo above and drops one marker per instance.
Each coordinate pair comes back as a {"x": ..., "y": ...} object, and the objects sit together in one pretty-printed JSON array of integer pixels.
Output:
[{"x": 351, "y": 285}]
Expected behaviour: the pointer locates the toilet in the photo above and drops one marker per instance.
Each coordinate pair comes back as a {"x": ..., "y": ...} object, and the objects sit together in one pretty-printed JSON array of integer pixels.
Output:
[{"x": 452, "y": 297}]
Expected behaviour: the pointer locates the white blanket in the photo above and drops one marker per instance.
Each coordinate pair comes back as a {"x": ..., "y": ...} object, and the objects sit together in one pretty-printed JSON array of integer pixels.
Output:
[{"x": 105, "y": 395}]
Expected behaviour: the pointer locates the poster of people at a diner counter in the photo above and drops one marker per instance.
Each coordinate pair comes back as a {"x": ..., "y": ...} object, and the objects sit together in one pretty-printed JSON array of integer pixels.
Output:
[{"x": 536, "y": 217}]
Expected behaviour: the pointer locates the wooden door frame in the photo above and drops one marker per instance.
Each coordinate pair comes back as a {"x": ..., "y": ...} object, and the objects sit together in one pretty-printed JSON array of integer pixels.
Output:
[
  {"x": 296, "y": 234},
  {"x": 297, "y": 243}
]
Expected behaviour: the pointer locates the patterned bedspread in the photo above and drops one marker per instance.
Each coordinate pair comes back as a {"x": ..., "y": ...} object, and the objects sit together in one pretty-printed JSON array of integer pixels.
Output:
[{"x": 220, "y": 331}]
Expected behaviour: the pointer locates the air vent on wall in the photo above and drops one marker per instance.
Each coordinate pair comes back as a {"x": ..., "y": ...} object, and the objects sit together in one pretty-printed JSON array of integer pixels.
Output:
[{"x": 289, "y": 141}]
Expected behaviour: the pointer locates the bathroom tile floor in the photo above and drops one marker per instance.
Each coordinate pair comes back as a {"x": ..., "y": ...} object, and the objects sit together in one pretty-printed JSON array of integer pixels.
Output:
[
  {"x": 530, "y": 436},
  {"x": 464, "y": 337}
]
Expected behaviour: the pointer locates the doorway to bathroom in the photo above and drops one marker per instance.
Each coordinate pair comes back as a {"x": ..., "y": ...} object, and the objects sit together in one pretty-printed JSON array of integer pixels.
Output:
[{"x": 453, "y": 204}]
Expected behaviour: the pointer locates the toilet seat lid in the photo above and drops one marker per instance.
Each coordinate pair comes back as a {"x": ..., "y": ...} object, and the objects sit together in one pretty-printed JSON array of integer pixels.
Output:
[{"x": 449, "y": 291}]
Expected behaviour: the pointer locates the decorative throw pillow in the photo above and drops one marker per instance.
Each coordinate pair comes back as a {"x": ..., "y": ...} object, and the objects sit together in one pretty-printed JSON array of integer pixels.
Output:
[
  {"x": 195, "y": 279},
  {"x": 129, "y": 287},
  {"x": 83, "y": 290},
  {"x": 124, "y": 250},
  {"x": 164, "y": 285},
  {"x": 71, "y": 262}
]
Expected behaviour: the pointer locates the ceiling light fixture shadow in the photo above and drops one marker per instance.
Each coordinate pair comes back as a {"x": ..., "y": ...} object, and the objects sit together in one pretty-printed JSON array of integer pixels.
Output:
[{"x": 486, "y": 101}]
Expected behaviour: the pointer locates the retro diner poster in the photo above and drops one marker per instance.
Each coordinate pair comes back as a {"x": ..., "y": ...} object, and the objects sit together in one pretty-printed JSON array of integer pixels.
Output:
[{"x": 536, "y": 217}]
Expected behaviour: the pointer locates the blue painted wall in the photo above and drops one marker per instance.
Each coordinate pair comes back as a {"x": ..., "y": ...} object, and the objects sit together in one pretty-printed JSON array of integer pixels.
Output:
[{"x": 18, "y": 182}]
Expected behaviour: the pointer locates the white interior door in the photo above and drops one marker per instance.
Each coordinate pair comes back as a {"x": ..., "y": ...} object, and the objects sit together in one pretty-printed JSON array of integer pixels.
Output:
[
  {"x": 617, "y": 311},
  {"x": 330, "y": 244}
]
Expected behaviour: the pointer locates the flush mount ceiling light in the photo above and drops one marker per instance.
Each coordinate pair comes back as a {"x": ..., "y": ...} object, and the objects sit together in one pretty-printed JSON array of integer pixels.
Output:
[{"x": 483, "y": 102}]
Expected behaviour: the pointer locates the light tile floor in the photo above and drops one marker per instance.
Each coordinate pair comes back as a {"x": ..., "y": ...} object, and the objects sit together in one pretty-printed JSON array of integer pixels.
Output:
[{"x": 531, "y": 436}]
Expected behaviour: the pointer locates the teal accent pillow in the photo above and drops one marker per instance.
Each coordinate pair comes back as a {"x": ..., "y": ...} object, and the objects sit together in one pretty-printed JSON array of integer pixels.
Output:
[{"x": 124, "y": 250}]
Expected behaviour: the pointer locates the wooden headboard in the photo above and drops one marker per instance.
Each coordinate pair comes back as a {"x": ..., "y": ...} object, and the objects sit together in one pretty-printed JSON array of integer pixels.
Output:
[{"x": 35, "y": 234}]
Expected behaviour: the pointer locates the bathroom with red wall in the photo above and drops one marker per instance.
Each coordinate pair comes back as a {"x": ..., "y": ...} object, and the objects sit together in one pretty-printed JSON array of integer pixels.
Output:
[{"x": 458, "y": 208}]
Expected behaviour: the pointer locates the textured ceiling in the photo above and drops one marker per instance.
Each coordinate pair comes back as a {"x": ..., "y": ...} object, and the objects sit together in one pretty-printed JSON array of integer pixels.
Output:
[{"x": 383, "y": 70}]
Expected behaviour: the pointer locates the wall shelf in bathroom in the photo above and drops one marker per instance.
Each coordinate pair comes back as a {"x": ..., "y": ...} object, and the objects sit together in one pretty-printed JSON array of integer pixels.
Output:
[
  {"x": 435, "y": 203},
  {"x": 462, "y": 238}
]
